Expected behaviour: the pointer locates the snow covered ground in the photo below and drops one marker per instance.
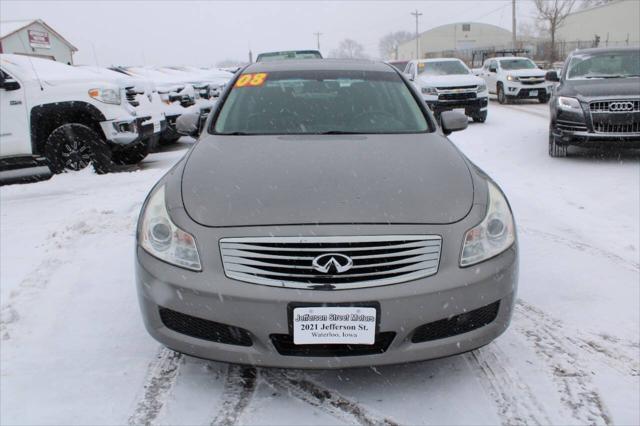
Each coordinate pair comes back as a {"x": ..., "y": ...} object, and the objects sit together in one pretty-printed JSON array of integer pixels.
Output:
[{"x": 74, "y": 350}]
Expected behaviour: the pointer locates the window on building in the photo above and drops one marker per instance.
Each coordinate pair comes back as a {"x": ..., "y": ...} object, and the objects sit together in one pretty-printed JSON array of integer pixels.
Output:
[{"x": 466, "y": 27}]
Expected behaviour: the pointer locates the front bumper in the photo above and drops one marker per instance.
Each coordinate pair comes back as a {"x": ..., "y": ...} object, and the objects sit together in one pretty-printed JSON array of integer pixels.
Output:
[
  {"x": 527, "y": 91},
  {"x": 129, "y": 130},
  {"x": 582, "y": 128},
  {"x": 263, "y": 310},
  {"x": 469, "y": 105}
]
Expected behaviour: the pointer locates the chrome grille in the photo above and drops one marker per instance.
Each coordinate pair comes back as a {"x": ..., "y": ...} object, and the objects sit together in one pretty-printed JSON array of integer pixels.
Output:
[
  {"x": 572, "y": 126},
  {"x": 288, "y": 261},
  {"x": 617, "y": 128},
  {"x": 531, "y": 80},
  {"x": 630, "y": 105}
]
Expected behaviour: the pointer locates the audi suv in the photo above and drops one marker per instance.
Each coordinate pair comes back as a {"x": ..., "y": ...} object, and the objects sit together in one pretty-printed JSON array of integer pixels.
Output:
[
  {"x": 324, "y": 220},
  {"x": 597, "y": 100}
]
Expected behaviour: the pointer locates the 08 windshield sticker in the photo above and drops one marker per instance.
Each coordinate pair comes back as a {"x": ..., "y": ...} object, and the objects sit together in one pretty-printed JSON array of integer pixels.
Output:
[{"x": 251, "y": 80}]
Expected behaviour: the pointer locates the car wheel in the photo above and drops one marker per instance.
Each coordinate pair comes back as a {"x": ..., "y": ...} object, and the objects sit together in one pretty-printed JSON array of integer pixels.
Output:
[
  {"x": 556, "y": 149},
  {"x": 131, "y": 154},
  {"x": 543, "y": 99},
  {"x": 480, "y": 116},
  {"x": 502, "y": 98},
  {"x": 72, "y": 147}
]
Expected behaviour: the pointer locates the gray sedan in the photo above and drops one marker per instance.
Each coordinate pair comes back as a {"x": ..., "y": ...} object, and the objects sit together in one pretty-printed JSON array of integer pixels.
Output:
[{"x": 324, "y": 220}]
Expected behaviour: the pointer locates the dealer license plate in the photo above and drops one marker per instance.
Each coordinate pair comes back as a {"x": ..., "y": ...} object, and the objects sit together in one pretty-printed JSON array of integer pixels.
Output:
[
  {"x": 156, "y": 126},
  {"x": 338, "y": 324},
  {"x": 533, "y": 93}
]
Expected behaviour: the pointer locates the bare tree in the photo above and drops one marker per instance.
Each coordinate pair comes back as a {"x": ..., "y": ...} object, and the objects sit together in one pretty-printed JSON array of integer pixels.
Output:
[
  {"x": 389, "y": 42},
  {"x": 348, "y": 49},
  {"x": 551, "y": 14}
]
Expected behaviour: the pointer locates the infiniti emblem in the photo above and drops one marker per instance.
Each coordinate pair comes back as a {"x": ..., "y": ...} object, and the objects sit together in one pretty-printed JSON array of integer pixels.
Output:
[
  {"x": 621, "y": 106},
  {"x": 326, "y": 263}
]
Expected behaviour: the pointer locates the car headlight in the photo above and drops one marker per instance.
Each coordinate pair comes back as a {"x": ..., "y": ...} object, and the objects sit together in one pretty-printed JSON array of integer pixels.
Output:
[
  {"x": 161, "y": 238},
  {"x": 429, "y": 90},
  {"x": 482, "y": 87},
  {"x": 511, "y": 78},
  {"x": 492, "y": 236},
  {"x": 108, "y": 96},
  {"x": 569, "y": 104}
]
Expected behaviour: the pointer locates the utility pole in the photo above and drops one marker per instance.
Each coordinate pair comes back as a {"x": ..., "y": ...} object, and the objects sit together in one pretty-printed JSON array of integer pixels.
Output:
[
  {"x": 417, "y": 15},
  {"x": 513, "y": 22},
  {"x": 318, "y": 39}
]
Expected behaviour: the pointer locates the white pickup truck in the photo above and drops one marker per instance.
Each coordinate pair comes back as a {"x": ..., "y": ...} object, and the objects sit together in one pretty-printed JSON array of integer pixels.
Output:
[
  {"x": 513, "y": 77},
  {"x": 446, "y": 84},
  {"x": 58, "y": 117}
]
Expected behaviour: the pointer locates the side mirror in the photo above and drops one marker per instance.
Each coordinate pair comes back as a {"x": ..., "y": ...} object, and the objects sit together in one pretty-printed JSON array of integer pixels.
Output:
[
  {"x": 9, "y": 84},
  {"x": 453, "y": 121},
  {"x": 493, "y": 69},
  {"x": 188, "y": 124},
  {"x": 552, "y": 76}
]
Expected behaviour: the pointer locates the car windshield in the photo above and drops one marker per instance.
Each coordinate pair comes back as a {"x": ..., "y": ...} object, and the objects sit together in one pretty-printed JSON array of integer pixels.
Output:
[
  {"x": 604, "y": 65},
  {"x": 442, "y": 68},
  {"x": 278, "y": 56},
  {"x": 320, "y": 102},
  {"x": 517, "y": 64}
]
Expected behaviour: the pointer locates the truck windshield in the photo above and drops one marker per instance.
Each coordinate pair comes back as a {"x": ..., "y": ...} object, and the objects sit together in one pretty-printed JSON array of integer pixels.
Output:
[
  {"x": 294, "y": 54},
  {"x": 619, "y": 64},
  {"x": 442, "y": 68},
  {"x": 320, "y": 102},
  {"x": 517, "y": 64}
]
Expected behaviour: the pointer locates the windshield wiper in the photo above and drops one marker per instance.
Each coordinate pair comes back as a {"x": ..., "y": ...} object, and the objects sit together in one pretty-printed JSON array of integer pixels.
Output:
[
  {"x": 338, "y": 132},
  {"x": 605, "y": 76},
  {"x": 235, "y": 134}
]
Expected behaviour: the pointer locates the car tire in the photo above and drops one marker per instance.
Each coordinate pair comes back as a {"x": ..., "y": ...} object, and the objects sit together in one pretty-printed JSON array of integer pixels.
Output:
[
  {"x": 131, "y": 154},
  {"x": 480, "y": 116},
  {"x": 502, "y": 98},
  {"x": 556, "y": 149},
  {"x": 543, "y": 99},
  {"x": 73, "y": 146}
]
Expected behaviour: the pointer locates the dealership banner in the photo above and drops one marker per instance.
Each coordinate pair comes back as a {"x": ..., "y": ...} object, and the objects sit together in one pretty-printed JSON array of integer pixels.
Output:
[{"x": 39, "y": 39}]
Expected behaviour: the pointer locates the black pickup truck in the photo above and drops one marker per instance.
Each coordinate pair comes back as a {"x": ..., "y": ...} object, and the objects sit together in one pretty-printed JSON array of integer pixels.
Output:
[{"x": 597, "y": 100}]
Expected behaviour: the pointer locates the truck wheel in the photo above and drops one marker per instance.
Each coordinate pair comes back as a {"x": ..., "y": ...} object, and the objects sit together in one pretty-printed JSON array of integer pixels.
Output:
[
  {"x": 131, "y": 154},
  {"x": 556, "y": 149},
  {"x": 502, "y": 98},
  {"x": 480, "y": 116},
  {"x": 74, "y": 146}
]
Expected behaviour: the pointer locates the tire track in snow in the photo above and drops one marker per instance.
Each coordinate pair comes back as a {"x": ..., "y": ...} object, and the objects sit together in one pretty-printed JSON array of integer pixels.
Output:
[
  {"x": 239, "y": 387},
  {"x": 577, "y": 391},
  {"x": 517, "y": 403},
  {"x": 578, "y": 245},
  {"x": 327, "y": 400},
  {"x": 612, "y": 350},
  {"x": 161, "y": 376}
]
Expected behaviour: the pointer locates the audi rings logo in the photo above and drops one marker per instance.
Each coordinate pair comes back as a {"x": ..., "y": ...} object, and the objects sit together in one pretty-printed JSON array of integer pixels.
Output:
[
  {"x": 334, "y": 263},
  {"x": 621, "y": 106}
]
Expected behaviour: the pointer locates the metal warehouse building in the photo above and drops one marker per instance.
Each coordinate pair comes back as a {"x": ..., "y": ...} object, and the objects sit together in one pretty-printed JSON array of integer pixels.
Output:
[
  {"x": 458, "y": 36},
  {"x": 35, "y": 38},
  {"x": 616, "y": 23}
]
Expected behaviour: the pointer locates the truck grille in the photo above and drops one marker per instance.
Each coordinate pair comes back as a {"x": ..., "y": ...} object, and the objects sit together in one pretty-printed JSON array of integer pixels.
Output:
[
  {"x": 328, "y": 263},
  {"x": 456, "y": 96},
  {"x": 531, "y": 80},
  {"x": 130, "y": 93},
  {"x": 615, "y": 106}
]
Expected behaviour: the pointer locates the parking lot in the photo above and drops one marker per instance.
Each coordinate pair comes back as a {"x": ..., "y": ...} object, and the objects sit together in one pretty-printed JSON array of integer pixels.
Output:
[{"x": 75, "y": 351}]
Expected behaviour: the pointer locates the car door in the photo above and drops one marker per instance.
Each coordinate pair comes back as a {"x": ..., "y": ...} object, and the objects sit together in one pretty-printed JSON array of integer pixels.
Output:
[
  {"x": 491, "y": 75},
  {"x": 14, "y": 124}
]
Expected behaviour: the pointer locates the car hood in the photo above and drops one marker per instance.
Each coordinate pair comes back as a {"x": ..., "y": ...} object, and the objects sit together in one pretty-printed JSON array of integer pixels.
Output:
[
  {"x": 533, "y": 72},
  {"x": 605, "y": 87},
  {"x": 318, "y": 179},
  {"x": 449, "y": 80}
]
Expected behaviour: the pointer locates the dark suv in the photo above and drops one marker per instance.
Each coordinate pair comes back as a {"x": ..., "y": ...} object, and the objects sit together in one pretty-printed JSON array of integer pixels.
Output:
[{"x": 597, "y": 100}]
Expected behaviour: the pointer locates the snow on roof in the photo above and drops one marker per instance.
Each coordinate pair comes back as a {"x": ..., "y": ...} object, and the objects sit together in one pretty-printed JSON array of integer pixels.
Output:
[
  {"x": 9, "y": 27},
  {"x": 47, "y": 70}
]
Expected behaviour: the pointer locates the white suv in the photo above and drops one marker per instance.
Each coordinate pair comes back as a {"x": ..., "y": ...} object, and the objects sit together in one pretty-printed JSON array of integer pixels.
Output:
[
  {"x": 513, "y": 77},
  {"x": 446, "y": 84},
  {"x": 66, "y": 118}
]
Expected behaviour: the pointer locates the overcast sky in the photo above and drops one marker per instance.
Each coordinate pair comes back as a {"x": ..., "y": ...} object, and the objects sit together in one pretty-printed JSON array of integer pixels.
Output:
[{"x": 205, "y": 32}]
